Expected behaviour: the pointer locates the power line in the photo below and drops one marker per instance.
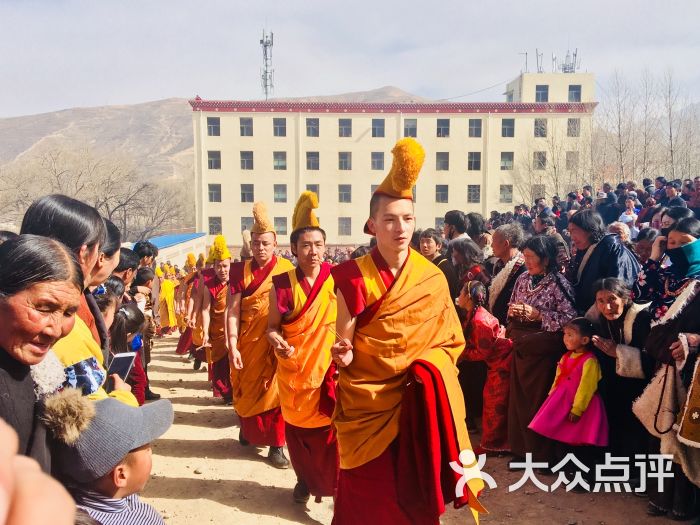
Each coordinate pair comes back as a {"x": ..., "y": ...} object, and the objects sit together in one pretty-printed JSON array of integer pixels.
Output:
[{"x": 475, "y": 92}]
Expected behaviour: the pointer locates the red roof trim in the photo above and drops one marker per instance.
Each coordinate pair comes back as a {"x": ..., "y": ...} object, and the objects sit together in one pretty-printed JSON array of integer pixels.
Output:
[{"x": 247, "y": 106}]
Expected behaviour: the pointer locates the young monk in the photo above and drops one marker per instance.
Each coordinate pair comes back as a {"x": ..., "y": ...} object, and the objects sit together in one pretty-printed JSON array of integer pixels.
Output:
[
  {"x": 302, "y": 308},
  {"x": 213, "y": 293},
  {"x": 253, "y": 363},
  {"x": 182, "y": 297},
  {"x": 401, "y": 339}
]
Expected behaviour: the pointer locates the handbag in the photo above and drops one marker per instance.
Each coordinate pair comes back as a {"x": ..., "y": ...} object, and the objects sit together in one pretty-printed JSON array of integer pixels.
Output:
[{"x": 659, "y": 403}]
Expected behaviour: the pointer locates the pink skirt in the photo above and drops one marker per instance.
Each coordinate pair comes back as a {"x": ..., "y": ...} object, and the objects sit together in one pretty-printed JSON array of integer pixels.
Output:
[{"x": 552, "y": 420}]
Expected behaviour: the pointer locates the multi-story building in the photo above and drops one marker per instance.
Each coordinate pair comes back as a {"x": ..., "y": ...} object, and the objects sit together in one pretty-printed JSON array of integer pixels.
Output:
[{"x": 479, "y": 156}]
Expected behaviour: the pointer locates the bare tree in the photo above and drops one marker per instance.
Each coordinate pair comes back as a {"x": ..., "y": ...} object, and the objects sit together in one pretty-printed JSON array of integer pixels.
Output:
[{"x": 670, "y": 101}]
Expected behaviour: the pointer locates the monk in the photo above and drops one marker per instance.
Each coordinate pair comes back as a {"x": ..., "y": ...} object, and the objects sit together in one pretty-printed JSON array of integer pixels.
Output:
[
  {"x": 213, "y": 294},
  {"x": 182, "y": 298},
  {"x": 253, "y": 362},
  {"x": 300, "y": 329},
  {"x": 400, "y": 339}
]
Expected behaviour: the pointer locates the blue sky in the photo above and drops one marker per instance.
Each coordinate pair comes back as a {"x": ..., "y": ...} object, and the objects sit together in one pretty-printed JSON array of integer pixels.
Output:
[{"x": 58, "y": 54}]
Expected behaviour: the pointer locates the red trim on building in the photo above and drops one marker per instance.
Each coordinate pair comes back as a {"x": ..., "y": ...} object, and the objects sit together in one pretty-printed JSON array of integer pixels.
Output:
[{"x": 449, "y": 108}]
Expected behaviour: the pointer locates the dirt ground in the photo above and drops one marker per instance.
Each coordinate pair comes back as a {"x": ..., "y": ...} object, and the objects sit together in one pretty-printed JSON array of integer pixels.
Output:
[{"x": 201, "y": 474}]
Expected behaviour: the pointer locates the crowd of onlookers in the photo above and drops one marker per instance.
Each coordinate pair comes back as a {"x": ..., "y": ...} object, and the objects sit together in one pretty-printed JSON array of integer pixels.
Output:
[{"x": 581, "y": 319}]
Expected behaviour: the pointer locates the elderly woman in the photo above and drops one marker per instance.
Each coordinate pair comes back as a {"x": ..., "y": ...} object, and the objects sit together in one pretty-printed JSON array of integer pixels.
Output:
[
  {"x": 83, "y": 231},
  {"x": 40, "y": 288},
  {"x": 623, "y": 327},
  {"x": 541, "y": 304},
  {"x": 644, "y": 242},
  {"x": 599, "y": 254}
]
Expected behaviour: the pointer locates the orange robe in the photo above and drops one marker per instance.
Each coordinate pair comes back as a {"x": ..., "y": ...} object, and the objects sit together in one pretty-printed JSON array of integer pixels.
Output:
[
  {"x": 399, "y": 320},
  {"x": 255, "y": 394},
  {"x": 303, "y": 379},
  {"x": 217, "y": 353}
]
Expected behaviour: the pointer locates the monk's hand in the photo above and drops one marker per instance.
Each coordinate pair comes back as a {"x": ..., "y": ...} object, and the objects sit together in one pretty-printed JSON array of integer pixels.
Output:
[
  {"x": 607, "y": 346},
  {"x": 573, "y": 417},
  {"x": 236, "y": 359},
  {"x": 282, "y": 348},
  {"x": 342, "y": 352}
]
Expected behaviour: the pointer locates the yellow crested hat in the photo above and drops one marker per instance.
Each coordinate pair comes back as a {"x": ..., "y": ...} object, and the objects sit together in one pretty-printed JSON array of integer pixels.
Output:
[
  {"x": 159, "y": 272},
  {"x": 261, "y": 222},
  {"x": 304, "y": 215},
  {"x": 191, "y": 260},
  {"x": 219, "y": 250},
  {"x": 408, "y": 161},
  {"x": 201, "y": 260}
]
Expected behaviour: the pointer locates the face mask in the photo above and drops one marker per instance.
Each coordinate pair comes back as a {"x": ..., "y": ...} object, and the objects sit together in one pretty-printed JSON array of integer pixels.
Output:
[
  {"x": 685, "y": 260},
  {"x": 665, "y": 231}
]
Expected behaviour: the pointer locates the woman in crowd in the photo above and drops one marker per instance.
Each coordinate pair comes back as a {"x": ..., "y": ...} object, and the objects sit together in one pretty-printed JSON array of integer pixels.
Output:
[
  {"x": 644, "y": 242},
  {"x": 81, "y": 228},
  {"x": 541, "y": 304},
  {"x": 623, "y": 233},
  {"x": 479, "y": 234},
  {"x": 645, "y": 214},
  {"x": 40, "y": 289},
  {"x": 545, "y": 224},
  {"x": 468, "y": 260},
  {"x": 623, "y": 327},
  {"x": 672, "y": 335},
  {"x": 599, "y": 254}
]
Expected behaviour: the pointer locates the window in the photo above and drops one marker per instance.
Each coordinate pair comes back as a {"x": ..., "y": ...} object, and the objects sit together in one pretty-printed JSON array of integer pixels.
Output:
[
  {"x": 246, "y": 160},
  {"x": 539, "y": 160},
  {"x": 410, "y": 127},
  {"x": 475, "y": 127},
  {"x": 442, "y": 161},
  {"x": 280, "y": 192},
  {"x": 538, "y": 191},
  {"x": 316, "y": 188},
  {"x": 344, "y": 226},
  {"x": 506, "y": 194},
  {"x": 439, "y": 223},
  {"x": 575, "y": 93},
  {"x": 312, "y": 160},
  {"x": 247, "y": 193},
  {"x": 443, "y": 127},
  {"x": 442, "y": 193},
  {"x": 508, "y": 127},
  {"x": 279, "y": 160},
  {"x": 373, "y": 188},
  {"x": 312, "y": 127},
  {"x": 377, "y": 127},
  {"x": 213, "y": 126},
  {"x": 572, "y": 160},
  {"x": 542, "y": 93},
  {"x": 279, "y": 127},
  {"x": 344, "y": 193},
  {"x": 344, "y": 160},
  {"x": 280, "y": 225},
  {"x": 474, "y": 161},
  {"x": 214, "y": 160},
  {"x": 345, "y": 127},
  {"x": 473, "y": 193},
  {"x": 377, "y": 160},
  {"x": 214, "y": 192},
  {"x": 506, "y": 160},
  {"x": 573, "y": 127},
  {"x": 247, "y": 223},
  {"x": 246, "y": 127},
  {"x": 214, "y": 225},
  {"x": 540, "y": 127}
]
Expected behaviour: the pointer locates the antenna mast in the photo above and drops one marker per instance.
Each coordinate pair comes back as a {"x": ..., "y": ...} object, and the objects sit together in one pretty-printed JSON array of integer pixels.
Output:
[{"x": 267, "y": 73}]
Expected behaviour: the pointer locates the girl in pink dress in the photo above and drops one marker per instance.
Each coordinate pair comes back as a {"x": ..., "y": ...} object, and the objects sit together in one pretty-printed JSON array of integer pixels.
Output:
[{"x": 573, "y": 412}]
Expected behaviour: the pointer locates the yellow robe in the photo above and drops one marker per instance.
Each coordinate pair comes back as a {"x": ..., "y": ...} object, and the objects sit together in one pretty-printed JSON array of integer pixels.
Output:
[
  {"x": 416, "y": 320},
  {"x": 299, "y": 378},
  {"x": 254, "y": 386},
  {"x": 167, "y": 304}
]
